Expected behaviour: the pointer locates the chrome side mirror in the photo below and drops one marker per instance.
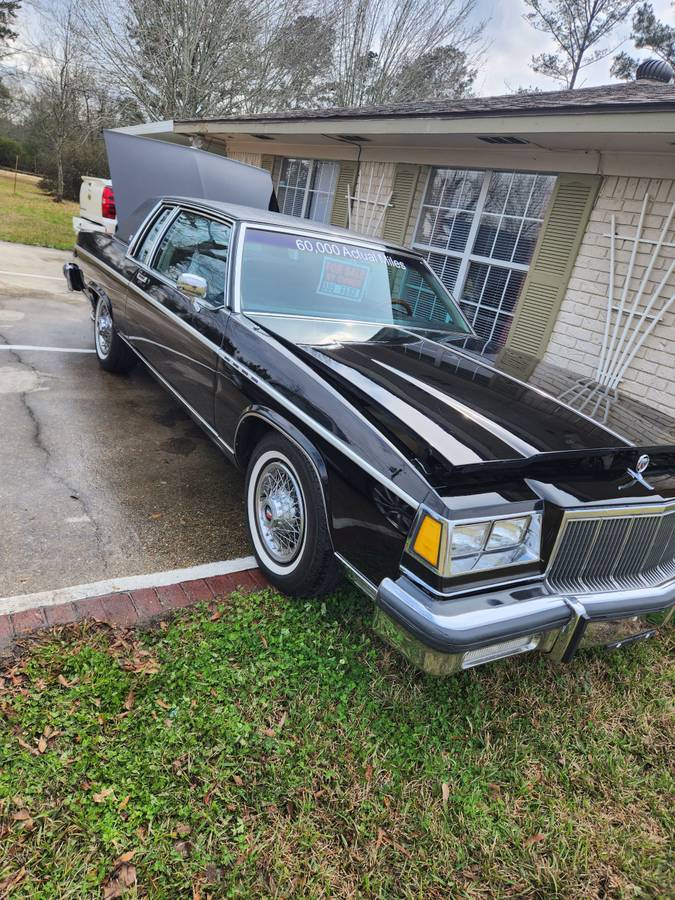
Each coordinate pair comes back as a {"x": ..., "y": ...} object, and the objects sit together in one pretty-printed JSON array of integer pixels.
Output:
[{"x": 192, "y": 285}]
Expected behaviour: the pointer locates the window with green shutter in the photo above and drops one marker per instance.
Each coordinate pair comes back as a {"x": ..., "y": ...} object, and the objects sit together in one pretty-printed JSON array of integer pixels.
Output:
[
  {"x": 346, "y": 185},
  {"x": 552, "y": 263}
]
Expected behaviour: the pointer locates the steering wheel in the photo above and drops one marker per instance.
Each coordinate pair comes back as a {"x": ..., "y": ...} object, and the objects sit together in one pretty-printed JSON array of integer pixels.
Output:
[{"x": 397, "y": 301}]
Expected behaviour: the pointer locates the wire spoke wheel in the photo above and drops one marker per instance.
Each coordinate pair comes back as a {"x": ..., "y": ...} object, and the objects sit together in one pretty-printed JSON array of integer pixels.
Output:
[
  {"x": 280, "y": 511},
  {"x": 103, "y": 327}
]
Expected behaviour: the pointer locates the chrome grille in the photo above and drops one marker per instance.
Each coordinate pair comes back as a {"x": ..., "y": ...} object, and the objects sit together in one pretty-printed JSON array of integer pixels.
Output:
[{"x": 612, "y": 552}]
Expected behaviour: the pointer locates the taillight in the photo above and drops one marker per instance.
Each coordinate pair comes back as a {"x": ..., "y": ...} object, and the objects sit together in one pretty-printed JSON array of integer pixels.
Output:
[{"x": 108, "y": 210}]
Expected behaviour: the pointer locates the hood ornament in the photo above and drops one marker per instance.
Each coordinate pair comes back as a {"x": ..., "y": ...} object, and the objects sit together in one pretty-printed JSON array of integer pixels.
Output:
[{"x": 636, "y": 474}]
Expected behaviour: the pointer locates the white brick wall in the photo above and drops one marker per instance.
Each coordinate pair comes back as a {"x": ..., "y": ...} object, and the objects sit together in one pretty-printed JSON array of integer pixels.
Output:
[
  {"x": 251, "y": 159},
  {"x": 577, "y": 336}
]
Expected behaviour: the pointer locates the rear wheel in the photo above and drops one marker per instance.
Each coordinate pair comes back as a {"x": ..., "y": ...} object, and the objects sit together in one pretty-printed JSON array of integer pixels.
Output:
[
  {"x": 113, "y": 354},
  {"x": 287, "y": 519}
]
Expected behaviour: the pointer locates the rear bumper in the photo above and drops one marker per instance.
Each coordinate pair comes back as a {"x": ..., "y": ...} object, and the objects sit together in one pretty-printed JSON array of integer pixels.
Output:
[
  {"x": 445, "y": 636},
  {"x": 82, "y": 224}
]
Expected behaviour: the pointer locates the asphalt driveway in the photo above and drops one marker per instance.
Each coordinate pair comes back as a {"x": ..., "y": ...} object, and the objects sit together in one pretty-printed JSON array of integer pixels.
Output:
[{"x": 101, "y": 476}]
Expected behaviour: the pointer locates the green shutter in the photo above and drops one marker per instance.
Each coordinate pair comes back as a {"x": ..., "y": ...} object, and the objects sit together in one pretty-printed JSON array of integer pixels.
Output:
[
  {"x": 346, "y": 179},
  {"x": 552, "y": 263},
  {"x": 267, "y": 162},
  {"x": 397, "y": 216}
]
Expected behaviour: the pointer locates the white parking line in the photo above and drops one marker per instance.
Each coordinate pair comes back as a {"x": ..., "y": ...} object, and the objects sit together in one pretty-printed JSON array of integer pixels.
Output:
[
  {"x": 46, "y": 349},
  {"x": 31, "y": 275},
  {"x": 21, "y": 602}
]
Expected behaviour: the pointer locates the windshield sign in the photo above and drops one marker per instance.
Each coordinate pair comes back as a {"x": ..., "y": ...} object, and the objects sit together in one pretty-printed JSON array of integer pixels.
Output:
[{"x": 296, "y": 275}]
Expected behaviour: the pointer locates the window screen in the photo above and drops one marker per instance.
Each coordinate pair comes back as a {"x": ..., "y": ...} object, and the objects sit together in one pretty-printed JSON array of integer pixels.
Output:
[{"x": 478, "y": 230}]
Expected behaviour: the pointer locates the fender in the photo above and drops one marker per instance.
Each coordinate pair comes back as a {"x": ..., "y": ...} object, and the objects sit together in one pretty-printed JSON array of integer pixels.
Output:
[{"x": 262, "y": 415}]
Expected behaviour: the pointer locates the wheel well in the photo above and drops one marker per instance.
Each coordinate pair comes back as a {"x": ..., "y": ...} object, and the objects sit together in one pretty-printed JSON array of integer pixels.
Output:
[
  {"x": 260, "y": 421},
  {"x": 249, "y": 434},
  {"x": 92, "y": 295}
]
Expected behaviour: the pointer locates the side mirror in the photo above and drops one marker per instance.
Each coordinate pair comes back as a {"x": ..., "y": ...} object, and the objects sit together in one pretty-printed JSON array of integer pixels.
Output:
[{"x": 193, "y": 285}]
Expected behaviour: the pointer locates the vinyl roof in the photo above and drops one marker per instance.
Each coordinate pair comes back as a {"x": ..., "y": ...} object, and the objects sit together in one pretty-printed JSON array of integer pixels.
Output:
[
  {"x": 633, "y": 96},
  {"x": 253, "y": 216}
]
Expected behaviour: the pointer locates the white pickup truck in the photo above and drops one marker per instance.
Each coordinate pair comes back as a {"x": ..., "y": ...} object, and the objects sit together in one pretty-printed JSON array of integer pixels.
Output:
[{"x": 97, "y": 206}]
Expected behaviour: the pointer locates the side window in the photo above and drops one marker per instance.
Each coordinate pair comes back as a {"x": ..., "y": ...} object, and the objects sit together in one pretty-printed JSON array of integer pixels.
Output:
[
  {"x": 196, "y": 244},
  {"x": 145, "y": 249}
]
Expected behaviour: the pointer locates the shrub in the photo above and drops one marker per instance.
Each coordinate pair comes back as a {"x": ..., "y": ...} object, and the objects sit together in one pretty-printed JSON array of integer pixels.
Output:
[{"x": 9, "y": 150}]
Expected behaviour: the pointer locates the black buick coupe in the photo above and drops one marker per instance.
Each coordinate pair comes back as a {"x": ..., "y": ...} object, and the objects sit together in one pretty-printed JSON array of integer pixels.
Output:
[{"x": 483, "y": 517}]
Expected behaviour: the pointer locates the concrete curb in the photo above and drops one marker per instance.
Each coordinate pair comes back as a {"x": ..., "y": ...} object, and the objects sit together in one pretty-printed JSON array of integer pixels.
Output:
[{"x": 126, "y": 609}]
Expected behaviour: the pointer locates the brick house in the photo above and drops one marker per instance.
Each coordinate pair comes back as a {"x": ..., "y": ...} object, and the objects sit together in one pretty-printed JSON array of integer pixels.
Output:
[{"x": 513, "y": 200}]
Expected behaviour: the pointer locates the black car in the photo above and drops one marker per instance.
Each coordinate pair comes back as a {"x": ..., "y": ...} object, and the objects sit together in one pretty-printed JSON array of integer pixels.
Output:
[{"x": 483, "y": 517}]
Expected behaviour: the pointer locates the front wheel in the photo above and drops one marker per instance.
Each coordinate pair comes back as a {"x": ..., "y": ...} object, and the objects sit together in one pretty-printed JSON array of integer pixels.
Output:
[
  {"x": 113, "y": 354},
  {"x": 286, "y": 519}
]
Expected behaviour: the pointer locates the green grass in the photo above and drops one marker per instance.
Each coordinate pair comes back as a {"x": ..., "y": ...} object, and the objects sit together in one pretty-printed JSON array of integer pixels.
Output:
[
  {"x": 275, "y": 748},
  {"x": 32, "y": 217}
]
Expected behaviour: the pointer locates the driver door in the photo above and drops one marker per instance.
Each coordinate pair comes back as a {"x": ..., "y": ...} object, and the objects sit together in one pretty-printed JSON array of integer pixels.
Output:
[{"x": 181, "y": 334}]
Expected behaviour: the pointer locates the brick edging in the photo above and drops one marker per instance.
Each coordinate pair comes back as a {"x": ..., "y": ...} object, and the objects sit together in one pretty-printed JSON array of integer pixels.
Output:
[{"x": 126, "y": 609}]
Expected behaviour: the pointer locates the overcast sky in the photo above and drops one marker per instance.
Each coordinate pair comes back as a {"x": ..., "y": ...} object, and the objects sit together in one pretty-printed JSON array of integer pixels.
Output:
[{"x": 513, "y": 41}]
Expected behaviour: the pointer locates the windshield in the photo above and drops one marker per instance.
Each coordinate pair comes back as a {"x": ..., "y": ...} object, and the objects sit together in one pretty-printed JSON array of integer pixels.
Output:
[{"x": 293, "y": 274}]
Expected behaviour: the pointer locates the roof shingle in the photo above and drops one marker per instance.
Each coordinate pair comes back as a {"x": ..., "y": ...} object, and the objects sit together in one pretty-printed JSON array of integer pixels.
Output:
[{"x": 634, "y": 95}]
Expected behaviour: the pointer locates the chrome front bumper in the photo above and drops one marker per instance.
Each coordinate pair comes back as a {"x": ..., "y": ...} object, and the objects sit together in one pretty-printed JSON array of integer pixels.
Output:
[{"x": 443, "y": 636}]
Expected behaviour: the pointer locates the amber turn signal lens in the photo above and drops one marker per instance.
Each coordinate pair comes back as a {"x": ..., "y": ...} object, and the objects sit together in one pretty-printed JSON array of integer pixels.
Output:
[{"x": 428, "y": 540}]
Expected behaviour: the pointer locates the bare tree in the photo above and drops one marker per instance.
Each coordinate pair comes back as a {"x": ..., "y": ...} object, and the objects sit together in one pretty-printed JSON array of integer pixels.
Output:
[
  {"x": 378, "y": 40},
  {"x": 65, "y": 105},
  {"x": 440, "y": 73},
  {"x": 58, "y": 75},
  {"x": 648, "y": 32},
  {"x": 577, "y": 27},
  {"x": 291, "y": 63},
  {"x": 173, "y": 58}
]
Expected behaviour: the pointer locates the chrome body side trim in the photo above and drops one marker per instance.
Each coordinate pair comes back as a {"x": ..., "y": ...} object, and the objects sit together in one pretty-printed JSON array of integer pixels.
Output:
[
  {"x": 357, "y": 578},
  {"x": 466, "y": 590},
  {"x": 196, "y": 362},
  {"x": 195, "y": 415}
]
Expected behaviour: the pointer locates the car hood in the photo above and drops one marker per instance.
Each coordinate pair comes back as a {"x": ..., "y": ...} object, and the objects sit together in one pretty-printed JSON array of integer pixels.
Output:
[{"x": 434, "y": 394}]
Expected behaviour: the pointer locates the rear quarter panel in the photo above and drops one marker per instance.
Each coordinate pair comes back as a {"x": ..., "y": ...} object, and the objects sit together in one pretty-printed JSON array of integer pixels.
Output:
[{"x": 102, "y": 258}]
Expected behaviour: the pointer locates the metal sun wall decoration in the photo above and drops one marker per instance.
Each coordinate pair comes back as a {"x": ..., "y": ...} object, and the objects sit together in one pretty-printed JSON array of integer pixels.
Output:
[{"x": 627, "y": 324}]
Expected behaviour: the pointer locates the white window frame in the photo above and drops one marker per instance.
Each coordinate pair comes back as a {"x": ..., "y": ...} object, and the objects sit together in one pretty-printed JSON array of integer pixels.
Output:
[
  {"x": 308, "y": 190},
  {"x": 466, "y": 257}
]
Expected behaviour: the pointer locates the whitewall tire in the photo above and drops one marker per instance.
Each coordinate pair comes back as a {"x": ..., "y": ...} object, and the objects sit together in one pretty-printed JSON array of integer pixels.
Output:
[{"x": 286, "y": 517}]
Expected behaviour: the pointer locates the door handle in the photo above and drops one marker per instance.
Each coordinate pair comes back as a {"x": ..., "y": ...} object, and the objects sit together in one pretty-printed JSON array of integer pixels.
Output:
[{"x": 142, "y": 279}]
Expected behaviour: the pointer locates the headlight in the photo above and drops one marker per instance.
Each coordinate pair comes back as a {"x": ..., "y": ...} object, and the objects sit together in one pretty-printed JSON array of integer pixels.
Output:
[{"x": 457, "y": 548}]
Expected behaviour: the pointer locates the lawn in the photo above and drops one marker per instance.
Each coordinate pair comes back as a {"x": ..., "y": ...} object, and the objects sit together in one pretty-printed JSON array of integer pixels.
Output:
[
  {"x": 31, "y": 216},
  {"x": 269, "y": 747}
]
